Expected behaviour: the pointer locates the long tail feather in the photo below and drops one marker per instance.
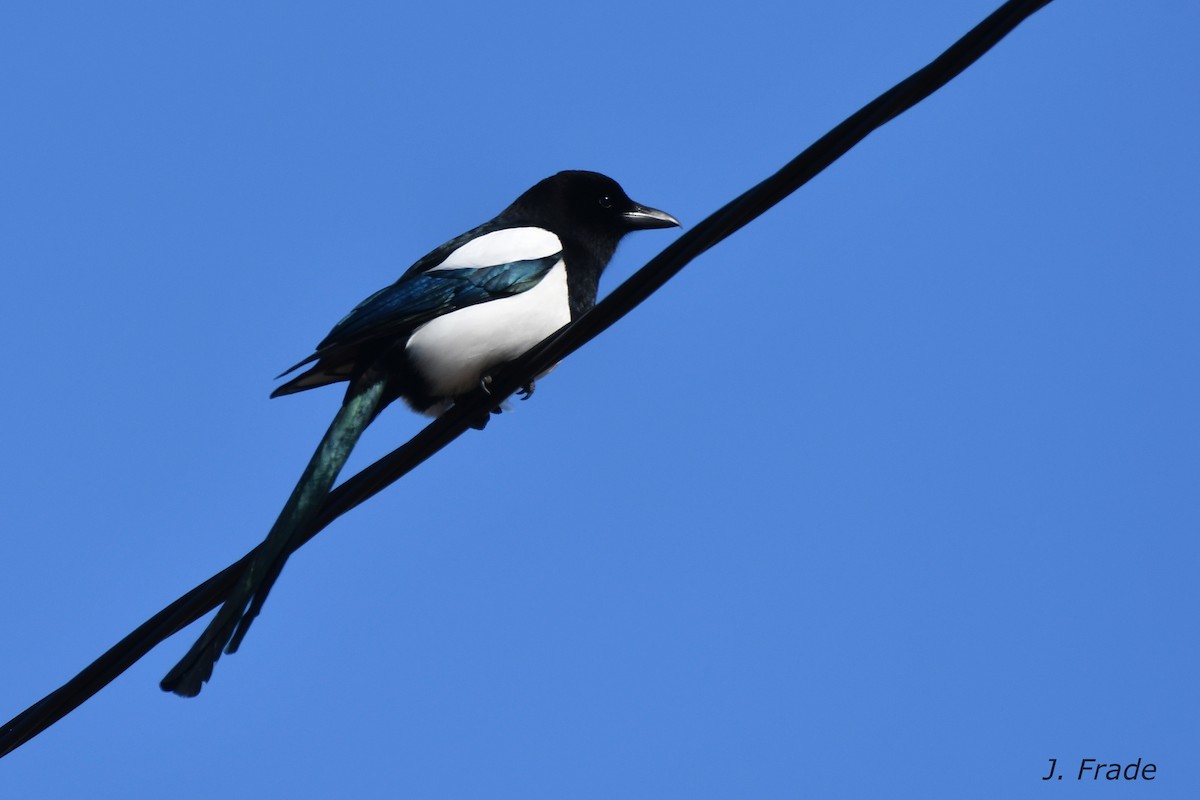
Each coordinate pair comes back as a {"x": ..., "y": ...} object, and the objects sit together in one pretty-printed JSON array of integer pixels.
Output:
[{"x": 229, "y": 626}]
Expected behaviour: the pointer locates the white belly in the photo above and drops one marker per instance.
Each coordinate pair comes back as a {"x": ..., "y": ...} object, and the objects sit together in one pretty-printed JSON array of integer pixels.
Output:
[{"x": 455, "y": 351}]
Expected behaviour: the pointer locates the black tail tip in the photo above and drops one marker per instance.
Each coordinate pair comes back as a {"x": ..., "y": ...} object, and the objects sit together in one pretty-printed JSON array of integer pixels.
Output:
[
  {"x": 186, "y": 679},
  {"x": 181, "y": 688}
]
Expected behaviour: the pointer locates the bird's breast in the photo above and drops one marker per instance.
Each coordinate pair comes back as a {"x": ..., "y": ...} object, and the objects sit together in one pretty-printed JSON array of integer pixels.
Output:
[{"x": 453, "y": 352}]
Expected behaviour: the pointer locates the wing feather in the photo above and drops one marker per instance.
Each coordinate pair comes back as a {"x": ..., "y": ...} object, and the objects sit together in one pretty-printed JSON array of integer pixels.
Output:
[{"x": 463, "y": 272}]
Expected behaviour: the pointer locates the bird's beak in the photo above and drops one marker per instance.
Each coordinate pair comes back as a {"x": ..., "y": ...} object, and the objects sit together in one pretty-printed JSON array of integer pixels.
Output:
[{"x": 642, "y": 218}]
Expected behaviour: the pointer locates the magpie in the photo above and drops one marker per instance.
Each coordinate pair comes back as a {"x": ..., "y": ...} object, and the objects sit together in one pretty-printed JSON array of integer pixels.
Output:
[{"x": 436, "y": 335}]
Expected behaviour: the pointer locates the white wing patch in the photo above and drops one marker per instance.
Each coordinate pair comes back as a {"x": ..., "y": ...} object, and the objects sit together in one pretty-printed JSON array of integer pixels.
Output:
[
  {"x": 455, "y": 350},
  {"x": 503, "y": 247}
]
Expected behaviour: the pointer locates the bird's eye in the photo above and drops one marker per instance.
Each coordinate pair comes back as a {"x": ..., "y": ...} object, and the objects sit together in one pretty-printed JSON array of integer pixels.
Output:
[{"x": 606, "y": 202}]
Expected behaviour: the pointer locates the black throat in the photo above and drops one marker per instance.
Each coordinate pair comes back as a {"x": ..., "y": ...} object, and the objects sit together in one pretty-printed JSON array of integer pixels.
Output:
[{"x": 585, "y": 264}]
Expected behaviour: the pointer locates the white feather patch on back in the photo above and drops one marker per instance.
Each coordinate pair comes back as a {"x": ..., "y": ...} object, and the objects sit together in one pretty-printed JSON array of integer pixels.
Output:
[
  {"x": 503, "y": 247},
  {"x": 454, "y": 351}
]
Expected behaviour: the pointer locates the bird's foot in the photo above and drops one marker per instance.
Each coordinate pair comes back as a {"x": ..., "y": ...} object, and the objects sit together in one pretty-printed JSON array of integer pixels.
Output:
[{"x": 485, "y": 386}]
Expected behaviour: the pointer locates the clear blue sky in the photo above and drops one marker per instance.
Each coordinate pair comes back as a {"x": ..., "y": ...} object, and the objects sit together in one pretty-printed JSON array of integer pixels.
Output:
[{"x": 893, "y": 494}]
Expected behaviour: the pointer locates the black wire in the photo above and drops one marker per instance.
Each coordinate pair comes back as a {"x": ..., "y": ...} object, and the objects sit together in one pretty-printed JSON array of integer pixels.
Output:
[{"x": 716, "y": 227}]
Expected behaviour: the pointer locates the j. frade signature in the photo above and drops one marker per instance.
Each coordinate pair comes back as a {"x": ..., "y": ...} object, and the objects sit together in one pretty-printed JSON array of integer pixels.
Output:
[{"x": 1091, "y": 768}]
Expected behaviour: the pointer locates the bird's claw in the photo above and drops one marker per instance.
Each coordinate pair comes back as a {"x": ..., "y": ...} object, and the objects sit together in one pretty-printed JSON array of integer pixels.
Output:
[
  {"x": 526, "y": 391},
  {"x": 485, "y": 386}
]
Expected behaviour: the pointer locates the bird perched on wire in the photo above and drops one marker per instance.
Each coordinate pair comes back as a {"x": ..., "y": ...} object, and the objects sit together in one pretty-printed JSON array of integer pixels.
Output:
[{"x": 453, "y": 318}]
